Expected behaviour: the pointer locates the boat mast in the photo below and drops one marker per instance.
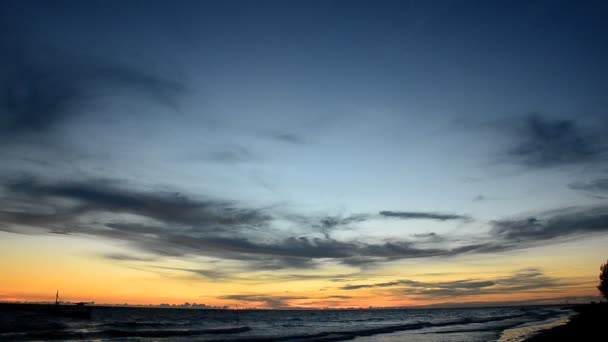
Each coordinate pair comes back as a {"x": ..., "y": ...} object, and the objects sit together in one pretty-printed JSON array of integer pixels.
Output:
[{"x": 238, "y": 321}]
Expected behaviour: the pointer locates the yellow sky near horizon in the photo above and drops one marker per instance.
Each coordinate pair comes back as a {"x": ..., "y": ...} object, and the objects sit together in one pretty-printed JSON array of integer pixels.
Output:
[{"x": 34, "y": 267}]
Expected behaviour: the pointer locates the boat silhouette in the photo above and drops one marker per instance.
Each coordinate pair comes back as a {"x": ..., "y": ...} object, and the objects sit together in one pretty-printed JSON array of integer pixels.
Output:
[{"x": 73, "y": 310}]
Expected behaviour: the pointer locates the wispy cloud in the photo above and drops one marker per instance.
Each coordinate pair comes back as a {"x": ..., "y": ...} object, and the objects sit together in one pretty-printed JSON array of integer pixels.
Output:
[
  {"x": 230, "y": 154},
  {"x": 329, "y": 223},
  {"x": 546, "y": 142},
  {"x": 596, "y": 185},
  {"x": 271, "y": 301},
  {"x": 429, "y": 237},
  {"x": 41, "y": 87},
  {"x": 127, "y": 257},
  {"x": 412, "y": 215},
  {"x": 479, "y": 198},
  {"x": 105, "y": 195},
  {"x": 171, "y": 224},
  {"x": 286, "y": 137},
  {"x": 567, "y": 223},
  {"x": 525, "y": 280}
]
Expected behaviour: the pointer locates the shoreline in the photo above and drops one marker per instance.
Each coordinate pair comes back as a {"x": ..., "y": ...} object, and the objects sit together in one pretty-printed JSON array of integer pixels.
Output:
[{"x": 588, "y": 324}]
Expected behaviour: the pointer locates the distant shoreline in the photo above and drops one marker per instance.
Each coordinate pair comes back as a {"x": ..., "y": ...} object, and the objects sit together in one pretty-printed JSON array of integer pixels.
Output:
[
  {"x": 232, "y": 308},
  {"x": 589, "y": 324}
]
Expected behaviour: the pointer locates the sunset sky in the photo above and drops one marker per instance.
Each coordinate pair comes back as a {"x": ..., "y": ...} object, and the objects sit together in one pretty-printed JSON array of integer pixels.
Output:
[{"x": 303, "y": 153}]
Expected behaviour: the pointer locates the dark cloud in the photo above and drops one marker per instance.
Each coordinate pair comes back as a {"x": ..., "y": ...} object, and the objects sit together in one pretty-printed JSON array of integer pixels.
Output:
[
  {"x": 546, "y": 142},
  {"x": 41, "y": 87},
  {"x": 183, "y": 226},
  {"x": 376, "y": 285},
  {"x": 104, "y": 195},
  {"x": 206, "y": 273},
  {"x": 429, "y": 237},
  {"x": 597, "y": 185},
  {"x": 329, "y": 223},
  {"x": 275, "y": 302},
  {"x": 298, "y": 251},
  {"x": 335, "y": 221},
  {"x": 521, "y": 281},
  {"x": 286, "y": 137},
  {"x": 550, "y": 227},
  {"x": 282, "y": 277},
  {"x": 186, "y": 226},
  {"x": 60, "y": 232},
  {"x": 407, "y": 215},
  {"x": 171, "y": 224},
  {"x": 567, "y": 223},
  {"x": 339, "y": 297},
  {"x": 230, "y": 154},
  {"x": 127, "y": 257},
  {"x": 459, "y": 284},
  {"x": 479, "y": 198}
]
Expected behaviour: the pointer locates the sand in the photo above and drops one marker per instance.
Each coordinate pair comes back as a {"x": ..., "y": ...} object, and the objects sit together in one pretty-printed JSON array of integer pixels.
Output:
[{"x": 590, "y": 324}]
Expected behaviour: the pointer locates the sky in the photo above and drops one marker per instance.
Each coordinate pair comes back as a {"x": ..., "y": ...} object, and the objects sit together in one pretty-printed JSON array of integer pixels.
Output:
[{"x": 303, "y": 154}]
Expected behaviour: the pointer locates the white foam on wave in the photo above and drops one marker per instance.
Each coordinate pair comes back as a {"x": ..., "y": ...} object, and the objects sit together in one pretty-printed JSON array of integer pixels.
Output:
[{"x": 527, "y": 330}]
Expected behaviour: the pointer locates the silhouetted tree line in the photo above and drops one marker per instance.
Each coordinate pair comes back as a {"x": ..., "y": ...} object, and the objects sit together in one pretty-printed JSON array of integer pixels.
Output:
[{"x": 603, "y": 285}]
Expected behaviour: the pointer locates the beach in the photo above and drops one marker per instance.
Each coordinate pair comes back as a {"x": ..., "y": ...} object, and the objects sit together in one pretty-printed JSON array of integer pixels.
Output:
[{"x": 589, "y": 324}]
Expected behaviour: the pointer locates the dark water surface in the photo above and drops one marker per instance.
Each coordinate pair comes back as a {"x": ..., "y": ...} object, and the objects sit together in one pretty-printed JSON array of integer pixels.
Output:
[{"x": 32, "y": 323}]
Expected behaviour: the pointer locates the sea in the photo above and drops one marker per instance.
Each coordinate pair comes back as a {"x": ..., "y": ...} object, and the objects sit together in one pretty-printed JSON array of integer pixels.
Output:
[{"x": 29, "y": 322}]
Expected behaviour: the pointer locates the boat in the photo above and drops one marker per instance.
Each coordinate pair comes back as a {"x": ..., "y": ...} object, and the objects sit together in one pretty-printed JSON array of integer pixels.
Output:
[{"x": 73, "y": 310}]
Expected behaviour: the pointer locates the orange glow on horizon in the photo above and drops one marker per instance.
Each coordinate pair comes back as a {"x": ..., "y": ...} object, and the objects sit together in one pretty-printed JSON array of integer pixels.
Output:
[{"x": 32, "y": 270}]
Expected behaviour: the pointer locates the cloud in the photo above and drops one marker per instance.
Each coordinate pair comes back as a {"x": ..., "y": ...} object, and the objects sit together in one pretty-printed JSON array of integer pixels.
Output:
[
  {"x": 286, "y": 137},
  {"x": 479, "y": 198},
  {"x": 206, "y": 273},
  {"x": 335, "y": 221},
  {"x": 275, "y": 302},
  {"x": 377, "y": 285},
  {"x": 329, "y": 223},
  {"x": 545, "y": 142},
  {"x": 230, "y": 155},
  {"x": 407, "y": 215},
  {"x": 567, "y": 223},
  {"x": 597, "y": 185},
  {"x": 171, "y": 224},
  {"x": 41, "y": 87},
  {"x": 184, "y": 226},
  {"x": 104, "y": 195},
  {"x": 549, "y": 227},
  {"x": 127, "y": 257},
  {"x": 339, "y": 297},
  {"x": 525, "y": 280},
  {"x": 429, "y": 237},
  {"x": 165, "y": 223}
]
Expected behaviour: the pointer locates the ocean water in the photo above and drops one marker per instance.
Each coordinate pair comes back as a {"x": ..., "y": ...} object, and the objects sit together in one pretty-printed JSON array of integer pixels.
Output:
[{"x": 505, "y": 324}]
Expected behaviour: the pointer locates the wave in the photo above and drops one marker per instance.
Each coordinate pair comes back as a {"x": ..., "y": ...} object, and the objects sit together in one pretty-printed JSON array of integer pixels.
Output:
[
  {"x": 137, "y": 324},
  {"x": 344, "y": 335},
  {"x": 114, "y": 333},
  {"x": 531, "y": 317},
  {"x": 465, "y": 321},
  {"x": 176, "y": 333},
  {"x": 23, "y": 326}
]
